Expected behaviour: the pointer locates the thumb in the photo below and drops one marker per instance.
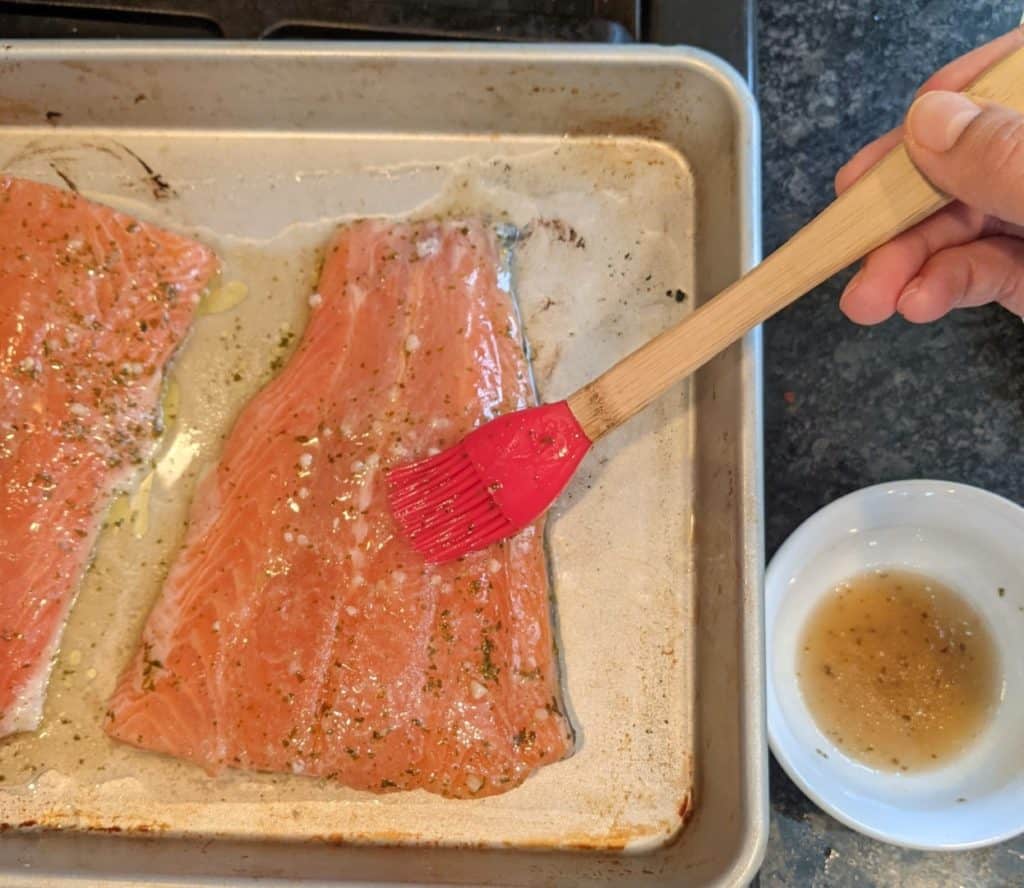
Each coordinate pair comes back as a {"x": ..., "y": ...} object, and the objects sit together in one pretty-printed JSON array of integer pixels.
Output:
[{"x": 974, "y": 153}]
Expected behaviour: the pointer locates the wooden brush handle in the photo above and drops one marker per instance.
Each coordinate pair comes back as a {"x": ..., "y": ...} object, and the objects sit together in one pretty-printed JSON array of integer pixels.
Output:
[{"x": 886, "y": 201}]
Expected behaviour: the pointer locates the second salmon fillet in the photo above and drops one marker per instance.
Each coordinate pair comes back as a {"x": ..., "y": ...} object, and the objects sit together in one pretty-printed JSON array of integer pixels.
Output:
[
  {"x": 93, "y": 306},
  {"x": 296, "y": 631}
]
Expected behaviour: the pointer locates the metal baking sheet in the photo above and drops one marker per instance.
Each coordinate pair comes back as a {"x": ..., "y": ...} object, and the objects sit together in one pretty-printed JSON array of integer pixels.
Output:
[{"x": 633, "y": 171}]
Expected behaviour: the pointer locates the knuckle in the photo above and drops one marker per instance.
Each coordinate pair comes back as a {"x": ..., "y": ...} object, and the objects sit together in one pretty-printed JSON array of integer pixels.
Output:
[
  {"x": 1005, "y": 149},
  {"x": 1009, "y": 274},
  {"x": 971, "y": 277}
]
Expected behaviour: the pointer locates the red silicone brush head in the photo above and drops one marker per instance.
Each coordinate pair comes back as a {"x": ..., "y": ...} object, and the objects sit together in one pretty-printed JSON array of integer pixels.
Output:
[{"x": 490, "y": 485}]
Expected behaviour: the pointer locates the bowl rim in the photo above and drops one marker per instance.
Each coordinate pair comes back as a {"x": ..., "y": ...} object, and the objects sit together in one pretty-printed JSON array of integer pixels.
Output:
[{"x": 780, "y": 749}]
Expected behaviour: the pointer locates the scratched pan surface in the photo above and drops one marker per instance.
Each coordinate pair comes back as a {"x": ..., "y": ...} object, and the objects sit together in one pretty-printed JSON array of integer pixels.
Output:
[{"x": 631, "y": 173}]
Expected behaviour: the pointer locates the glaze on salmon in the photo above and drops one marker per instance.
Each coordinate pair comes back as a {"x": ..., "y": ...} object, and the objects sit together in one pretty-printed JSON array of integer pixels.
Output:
[
  {"x": 296, "y": 632},
  {"x": 93, "y": 304}
]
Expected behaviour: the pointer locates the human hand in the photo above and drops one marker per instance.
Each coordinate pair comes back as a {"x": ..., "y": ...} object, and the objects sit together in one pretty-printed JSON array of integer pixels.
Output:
[{"x": 972, "y": 252}]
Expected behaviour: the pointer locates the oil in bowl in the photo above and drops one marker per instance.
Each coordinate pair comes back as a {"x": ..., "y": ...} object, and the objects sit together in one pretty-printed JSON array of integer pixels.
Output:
[{"x": 898, "y": 670}]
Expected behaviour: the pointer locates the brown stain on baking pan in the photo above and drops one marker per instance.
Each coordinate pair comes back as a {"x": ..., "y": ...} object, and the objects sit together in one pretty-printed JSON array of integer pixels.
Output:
[
  {"x": 64, "y": 156},
  {"x": 623, "y": 125},
  {"x": 64, "y": 177},
  {"x": 66, "y": 821},
  {"x": 158, "y": 184}
]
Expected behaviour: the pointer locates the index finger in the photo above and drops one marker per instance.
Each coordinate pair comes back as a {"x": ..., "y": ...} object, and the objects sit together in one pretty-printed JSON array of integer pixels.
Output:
[
  {"x": 955, "y": 76},
  {"x": 866, "y": 158}
]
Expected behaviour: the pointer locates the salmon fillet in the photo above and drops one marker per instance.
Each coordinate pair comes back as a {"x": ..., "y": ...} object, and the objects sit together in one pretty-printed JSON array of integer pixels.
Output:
[
  {"x": 296, "y": 631},
  {"x": 93, "y": 305}
]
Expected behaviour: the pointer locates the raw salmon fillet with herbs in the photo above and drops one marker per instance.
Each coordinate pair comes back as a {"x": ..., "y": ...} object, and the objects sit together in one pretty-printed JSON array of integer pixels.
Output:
[
  {"x": 296, "y": 631},
  {"x": 93, "y": 305}
]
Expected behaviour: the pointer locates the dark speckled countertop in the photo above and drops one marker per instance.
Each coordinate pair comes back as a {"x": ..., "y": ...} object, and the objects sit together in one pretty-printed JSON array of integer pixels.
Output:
[{"x": 847, "y": 407}]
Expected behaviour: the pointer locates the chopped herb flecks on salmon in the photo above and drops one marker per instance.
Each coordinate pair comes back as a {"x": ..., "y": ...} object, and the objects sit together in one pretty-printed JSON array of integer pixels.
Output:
[
  {"x": 93, "y": 305},
  {"x": 297, "y": 632}
]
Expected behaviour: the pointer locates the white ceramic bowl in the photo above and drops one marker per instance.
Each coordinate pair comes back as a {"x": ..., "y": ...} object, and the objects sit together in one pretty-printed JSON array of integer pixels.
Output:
[{"x": 971, "y": 540}]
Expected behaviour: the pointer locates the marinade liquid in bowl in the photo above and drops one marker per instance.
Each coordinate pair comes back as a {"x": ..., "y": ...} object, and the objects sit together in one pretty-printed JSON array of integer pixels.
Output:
[{"x": 898, "y": 670}]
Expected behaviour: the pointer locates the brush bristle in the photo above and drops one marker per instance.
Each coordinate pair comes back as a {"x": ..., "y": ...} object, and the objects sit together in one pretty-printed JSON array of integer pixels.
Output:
[
  {"x": 443, "y": 507},
  {"x": 490, "y": 485}
]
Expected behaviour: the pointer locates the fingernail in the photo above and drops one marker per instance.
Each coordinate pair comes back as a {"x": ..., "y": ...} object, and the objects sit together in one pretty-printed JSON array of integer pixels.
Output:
[
  {"x": 909, "y": 292},
  {"x": 938, "y": 119}
]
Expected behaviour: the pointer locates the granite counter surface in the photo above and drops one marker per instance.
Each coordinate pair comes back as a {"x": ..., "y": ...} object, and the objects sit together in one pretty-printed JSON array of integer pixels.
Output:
[{"x": 847, "y": 407}]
